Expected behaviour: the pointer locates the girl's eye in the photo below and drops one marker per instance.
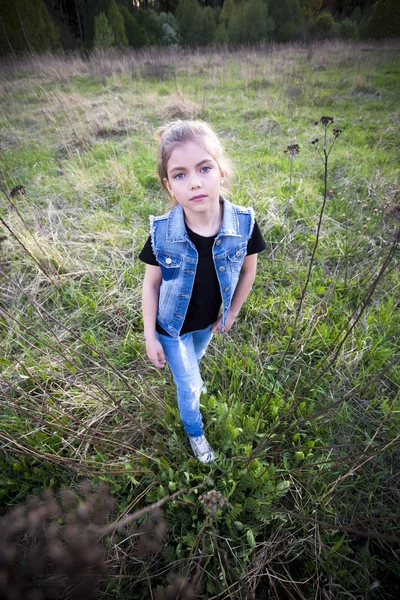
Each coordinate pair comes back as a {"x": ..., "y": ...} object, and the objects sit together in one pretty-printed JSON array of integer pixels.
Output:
[
  {"x": 179, "y": 176},
  {"x": 205, "y": 169}
]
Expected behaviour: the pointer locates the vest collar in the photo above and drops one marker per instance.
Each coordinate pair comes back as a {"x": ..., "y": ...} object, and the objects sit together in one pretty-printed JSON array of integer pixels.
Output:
[{"x": 176, "y": 229}]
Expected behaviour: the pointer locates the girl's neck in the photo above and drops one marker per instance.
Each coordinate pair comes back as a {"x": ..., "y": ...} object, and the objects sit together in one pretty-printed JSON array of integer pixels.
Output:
[{"x": 206, "y": 224}]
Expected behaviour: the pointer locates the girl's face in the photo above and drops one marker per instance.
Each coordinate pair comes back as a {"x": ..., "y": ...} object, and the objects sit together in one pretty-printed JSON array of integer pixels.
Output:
[{"x": 194, "y": 177}]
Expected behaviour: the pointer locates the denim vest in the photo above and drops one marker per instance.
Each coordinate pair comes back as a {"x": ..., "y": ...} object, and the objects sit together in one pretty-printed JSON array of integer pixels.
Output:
[{"x": 178, "y": 258}]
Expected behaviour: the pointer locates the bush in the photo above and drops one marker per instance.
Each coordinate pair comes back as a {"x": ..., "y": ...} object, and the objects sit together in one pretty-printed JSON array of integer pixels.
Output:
[
  {"x": 348, "y": 29},
  {"x": 323, "y": 26},
  {"x": 184, "y": 14},
  {"x": 27, "y": 27},
  {"x": 221, "y": 34},
  {"x": 103, "y": 35},
  {"x": 117, "y": 24},
  {"x": 250, "y": 23},
  {"x": 135, "y": 36},
  {"x": 288, "y": 19},
  {"x": 170, "y": 29},
  {"x": 150, "y": 27},
  {"x": 204, "y": 26},
  {"x": 385, "y": 20}
]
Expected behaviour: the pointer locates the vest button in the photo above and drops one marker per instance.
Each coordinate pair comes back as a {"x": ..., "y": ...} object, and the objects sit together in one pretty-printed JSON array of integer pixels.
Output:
[
  {"x": 168, "y": 260},
  {"x": 238, "y": 253},
  {"x": 218, "y": 243},
  {"x": 226, "y": 290},
  {"x": 222, "y": 269}
]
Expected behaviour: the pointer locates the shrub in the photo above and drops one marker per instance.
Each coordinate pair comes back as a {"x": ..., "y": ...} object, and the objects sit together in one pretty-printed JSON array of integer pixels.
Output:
[
  {"x": 135, "y": 36},
  {"x": 204, "y": 26},
  {"x": 117, "y": 24},
  {"x": 184, "y": 14},
  {"x": 323, "y": 26},
  {"x": 27, "y": 27},
  {"x": 288, "y": 19},
  {"x": 250, "y": 23},
  {"x": 221, "y": 34},
  {"x": 385, "y": 20},
  {"x": 150, "y": 27},
  {"x": 103, "y": 35},
  {"x": 348, "y": 29},
  {"x": 170, "y": 29}
]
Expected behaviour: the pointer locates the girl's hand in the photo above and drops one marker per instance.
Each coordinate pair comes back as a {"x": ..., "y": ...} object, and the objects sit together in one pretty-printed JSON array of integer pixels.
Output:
[
  {"x": 155, "y": 353},
  {"x": 216, "y": 328}
]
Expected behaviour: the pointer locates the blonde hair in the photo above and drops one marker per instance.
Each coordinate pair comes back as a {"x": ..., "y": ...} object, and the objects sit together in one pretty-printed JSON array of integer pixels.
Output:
[{"x": 178, "y": 132}]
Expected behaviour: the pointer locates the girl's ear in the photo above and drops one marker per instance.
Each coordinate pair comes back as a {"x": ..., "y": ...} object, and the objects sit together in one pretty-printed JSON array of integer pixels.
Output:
[
  {"x": 168, "y": 187},
  {"x": 222, "y": 173},
  {"x": 166, "y": 184}
]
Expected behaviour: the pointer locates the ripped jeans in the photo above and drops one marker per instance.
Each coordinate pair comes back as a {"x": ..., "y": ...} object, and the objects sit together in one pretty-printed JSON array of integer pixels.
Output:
[{"x": 183, "y": 355}]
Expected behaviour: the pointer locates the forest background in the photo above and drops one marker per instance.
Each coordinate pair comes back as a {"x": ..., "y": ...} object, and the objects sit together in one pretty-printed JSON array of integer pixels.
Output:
[{"x": 39, "y": 25}]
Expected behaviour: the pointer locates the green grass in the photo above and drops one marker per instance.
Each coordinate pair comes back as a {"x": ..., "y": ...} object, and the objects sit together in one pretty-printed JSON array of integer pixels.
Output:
[{"x": 304, "y": 415}]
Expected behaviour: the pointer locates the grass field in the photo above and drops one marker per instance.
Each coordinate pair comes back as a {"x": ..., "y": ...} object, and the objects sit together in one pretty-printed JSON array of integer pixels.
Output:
[{"x": 302, "y": 404}]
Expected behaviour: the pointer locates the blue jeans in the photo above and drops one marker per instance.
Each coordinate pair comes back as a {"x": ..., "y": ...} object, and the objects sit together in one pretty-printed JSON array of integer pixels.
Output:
[{"x": 183, "y": 355}]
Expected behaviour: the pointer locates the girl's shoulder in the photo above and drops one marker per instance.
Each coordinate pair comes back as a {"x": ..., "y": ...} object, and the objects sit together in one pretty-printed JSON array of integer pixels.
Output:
[
  {"x": 165, "y": 216},
  {"x": 242, "y": 209},
  {"x": 159, "y": 218}
]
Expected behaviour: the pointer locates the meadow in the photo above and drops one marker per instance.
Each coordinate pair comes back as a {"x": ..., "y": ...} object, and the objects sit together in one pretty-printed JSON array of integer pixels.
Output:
[{"x": 302, "y": 402}]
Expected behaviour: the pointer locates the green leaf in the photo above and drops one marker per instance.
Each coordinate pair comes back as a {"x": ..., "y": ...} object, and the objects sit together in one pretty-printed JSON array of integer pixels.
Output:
[{"x": 250, "y": 538}]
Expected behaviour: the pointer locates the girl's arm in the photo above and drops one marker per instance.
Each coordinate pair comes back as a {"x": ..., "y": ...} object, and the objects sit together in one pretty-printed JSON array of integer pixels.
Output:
[
  {"x": 150, "y": 295},
  {"x": 245, "y": 283}
]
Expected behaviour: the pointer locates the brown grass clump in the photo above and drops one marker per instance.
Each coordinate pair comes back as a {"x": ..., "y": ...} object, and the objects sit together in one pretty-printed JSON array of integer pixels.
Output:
[{"x": 180, "y": 107}]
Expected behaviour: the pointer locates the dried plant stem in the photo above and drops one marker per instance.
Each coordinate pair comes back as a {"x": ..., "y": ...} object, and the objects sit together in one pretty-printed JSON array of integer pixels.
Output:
[
  {"x": 39, "y": 309},
  {"x": 40, "y": 267},
  {"x": 148, "y": 509},
  {"x": 354, "y": 319},
  {"x": 15, "y": 207},
  {"x": 371, "y": 535},
  {"x": 302, "y": 296},
  {"x": 94, "y": 382}
]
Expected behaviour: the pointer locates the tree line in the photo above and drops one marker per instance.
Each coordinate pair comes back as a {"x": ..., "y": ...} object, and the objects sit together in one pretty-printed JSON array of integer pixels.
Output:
[{"x": 51, "y": 25}]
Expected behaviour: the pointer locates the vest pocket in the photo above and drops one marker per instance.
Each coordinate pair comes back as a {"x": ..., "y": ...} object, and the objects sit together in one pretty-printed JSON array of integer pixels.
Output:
[
  {"x": 237, "y": 255},
  {"x": 169, "y": 265}
]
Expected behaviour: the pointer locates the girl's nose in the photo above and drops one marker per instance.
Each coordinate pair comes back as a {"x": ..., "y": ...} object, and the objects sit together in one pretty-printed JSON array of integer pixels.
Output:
[{"x": 194, "y": 182}]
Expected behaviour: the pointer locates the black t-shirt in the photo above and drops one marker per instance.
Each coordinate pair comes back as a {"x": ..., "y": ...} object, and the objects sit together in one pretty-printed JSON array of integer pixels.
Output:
[{"x": 206, "y": 299}]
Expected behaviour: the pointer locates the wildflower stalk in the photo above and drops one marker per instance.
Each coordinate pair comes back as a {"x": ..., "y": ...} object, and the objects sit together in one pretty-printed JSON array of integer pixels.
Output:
[
  {"x": 292, "y": 150},
  {"x": 326, "y": 122}
]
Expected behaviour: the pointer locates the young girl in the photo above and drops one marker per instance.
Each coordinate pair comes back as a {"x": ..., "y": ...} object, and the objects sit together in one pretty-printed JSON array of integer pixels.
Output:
[{"x": 200, "y": 254}]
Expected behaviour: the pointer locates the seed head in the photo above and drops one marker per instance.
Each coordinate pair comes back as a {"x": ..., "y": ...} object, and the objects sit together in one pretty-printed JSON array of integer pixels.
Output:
[
  {"x": 292, "y": 149},
  {"x": 314, "y": 141},
  {"x": 336, "y": 131},
  {"x": 59, "y": 549},
  {"x": 325, "y": 121},
  {"x": 17, "y": 190},
  {"x": 212, "y": 501}
]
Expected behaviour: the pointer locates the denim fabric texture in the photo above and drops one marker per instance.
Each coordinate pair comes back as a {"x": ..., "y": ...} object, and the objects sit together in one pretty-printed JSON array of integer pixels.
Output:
[
  {"x": 183, "y": 355},
  {"x": 178, "y": 258}
]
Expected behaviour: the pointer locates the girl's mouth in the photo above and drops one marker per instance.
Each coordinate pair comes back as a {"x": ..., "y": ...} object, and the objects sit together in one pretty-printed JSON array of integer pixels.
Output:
[{"x": 197, "y": 198}]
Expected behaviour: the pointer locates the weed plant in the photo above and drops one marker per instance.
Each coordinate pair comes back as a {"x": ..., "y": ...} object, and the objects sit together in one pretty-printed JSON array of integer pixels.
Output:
[{"x": 302, "y": 401}]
